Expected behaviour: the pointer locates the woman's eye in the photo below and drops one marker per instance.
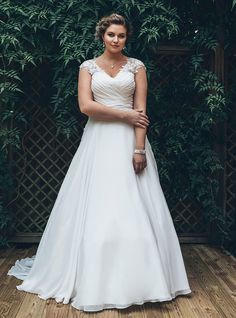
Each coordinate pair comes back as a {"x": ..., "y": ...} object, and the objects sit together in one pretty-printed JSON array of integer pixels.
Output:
[{"x": 120, "y": 36}]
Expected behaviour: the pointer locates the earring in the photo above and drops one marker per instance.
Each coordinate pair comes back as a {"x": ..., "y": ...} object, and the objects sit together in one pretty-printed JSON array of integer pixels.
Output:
[{"x": 103, "y": 44}]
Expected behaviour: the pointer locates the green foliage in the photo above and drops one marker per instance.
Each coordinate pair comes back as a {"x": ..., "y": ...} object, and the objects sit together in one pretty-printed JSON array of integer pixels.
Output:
[
  {"x": 6, "y": 185},
  {"x": 203, "y": 37},
  {"x": 62, "y": 32},
  {"x": 212, "y": 92}
]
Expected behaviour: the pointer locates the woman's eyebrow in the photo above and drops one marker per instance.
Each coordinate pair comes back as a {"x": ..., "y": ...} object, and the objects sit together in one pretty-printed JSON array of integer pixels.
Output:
[{"x": 119, "y": 33}]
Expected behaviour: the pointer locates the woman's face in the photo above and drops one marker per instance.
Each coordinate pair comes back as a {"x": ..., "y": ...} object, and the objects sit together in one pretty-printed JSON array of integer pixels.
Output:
[{"x": 115, "y": 37}]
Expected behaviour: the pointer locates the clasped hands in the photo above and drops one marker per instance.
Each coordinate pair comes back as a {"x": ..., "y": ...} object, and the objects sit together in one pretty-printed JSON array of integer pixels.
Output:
[{"x": 135, "y": 117}]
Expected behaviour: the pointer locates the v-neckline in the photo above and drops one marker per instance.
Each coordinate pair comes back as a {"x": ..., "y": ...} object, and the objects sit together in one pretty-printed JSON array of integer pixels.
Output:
[{"x": 101, "y": 69}]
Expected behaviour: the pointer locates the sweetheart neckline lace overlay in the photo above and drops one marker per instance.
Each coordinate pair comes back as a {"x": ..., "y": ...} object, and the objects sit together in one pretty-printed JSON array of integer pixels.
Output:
[
  {"x": 110, "y": 241},
  {"x": 102, "y": 70}
]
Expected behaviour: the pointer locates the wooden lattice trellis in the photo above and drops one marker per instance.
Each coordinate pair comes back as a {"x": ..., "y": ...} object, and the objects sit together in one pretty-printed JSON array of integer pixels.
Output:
[
  {"x": 187, "y": 215},
  {"x": 231, "y": 175},
  {"x": 230, "y": 149},
  {"x": 40, "y": 168}
]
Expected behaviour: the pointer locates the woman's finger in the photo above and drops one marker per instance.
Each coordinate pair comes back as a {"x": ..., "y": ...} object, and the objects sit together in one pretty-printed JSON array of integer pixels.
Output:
[
  {"x": 144, "y": 120},
  {"x": 144, "y": 116},
  {"x": 146, "y": 123},
  {"x": 140, "y": 125},
  {"x": 136, "y": 168}
]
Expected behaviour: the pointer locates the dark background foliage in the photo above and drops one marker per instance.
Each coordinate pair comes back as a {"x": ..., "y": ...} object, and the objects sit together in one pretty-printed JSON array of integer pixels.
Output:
[{"x": 183, "y": 112}]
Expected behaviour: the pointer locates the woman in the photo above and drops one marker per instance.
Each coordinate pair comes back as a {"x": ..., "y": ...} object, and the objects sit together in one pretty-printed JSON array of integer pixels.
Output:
[{"x": 110, "y": 241}]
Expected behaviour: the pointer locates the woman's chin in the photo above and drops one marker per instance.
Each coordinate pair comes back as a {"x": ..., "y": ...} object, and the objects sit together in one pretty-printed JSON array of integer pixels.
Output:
[{"x": 115, "y": 49}]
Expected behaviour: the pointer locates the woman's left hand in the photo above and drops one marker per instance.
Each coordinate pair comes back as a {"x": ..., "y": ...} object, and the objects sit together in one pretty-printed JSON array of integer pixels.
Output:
[{"x": 139, "y": 162}]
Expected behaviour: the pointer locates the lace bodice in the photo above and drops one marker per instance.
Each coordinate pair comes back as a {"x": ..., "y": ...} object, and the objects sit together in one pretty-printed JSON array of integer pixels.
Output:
[{"x": 114, "y": 91}]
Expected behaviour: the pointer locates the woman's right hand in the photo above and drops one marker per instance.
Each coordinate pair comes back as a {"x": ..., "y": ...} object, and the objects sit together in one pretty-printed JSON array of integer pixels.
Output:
[{"x": 136, "y": 118}]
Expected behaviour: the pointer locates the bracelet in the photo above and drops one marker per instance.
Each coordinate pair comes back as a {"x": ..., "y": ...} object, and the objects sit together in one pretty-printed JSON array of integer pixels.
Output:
[{"x": 140, "y": 151}]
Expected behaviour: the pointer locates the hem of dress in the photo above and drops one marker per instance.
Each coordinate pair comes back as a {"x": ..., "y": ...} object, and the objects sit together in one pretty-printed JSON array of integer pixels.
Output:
[
  {"x": 93, "y": 308},
  {"x": 90, "y": 308}
]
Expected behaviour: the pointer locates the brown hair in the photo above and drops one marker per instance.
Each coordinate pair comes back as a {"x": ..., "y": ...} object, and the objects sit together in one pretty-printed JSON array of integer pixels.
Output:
[{"x": 106, "y": 21}]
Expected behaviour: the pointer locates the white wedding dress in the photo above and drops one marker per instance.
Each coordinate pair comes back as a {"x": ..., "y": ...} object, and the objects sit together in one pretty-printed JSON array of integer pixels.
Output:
[{"x": 110, "y": 241}]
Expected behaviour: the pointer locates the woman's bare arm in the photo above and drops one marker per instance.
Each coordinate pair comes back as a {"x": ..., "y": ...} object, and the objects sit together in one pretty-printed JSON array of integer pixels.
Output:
[
  {"x": 140, "y": 100},
  {"x": 140, "y": 96},
  {"x": 101, "y": 112}
]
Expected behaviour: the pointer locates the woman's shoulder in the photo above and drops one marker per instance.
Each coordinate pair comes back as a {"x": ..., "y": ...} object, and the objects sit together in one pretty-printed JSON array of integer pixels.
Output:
[
  {"x": 89, "y": 65},
  {"x": 135, "y": 64},
  {"x": 86, "y": 62}
]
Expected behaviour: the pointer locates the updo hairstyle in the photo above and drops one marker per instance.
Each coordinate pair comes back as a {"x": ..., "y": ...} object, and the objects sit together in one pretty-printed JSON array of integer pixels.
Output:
[{"x": 106, "y": 21}]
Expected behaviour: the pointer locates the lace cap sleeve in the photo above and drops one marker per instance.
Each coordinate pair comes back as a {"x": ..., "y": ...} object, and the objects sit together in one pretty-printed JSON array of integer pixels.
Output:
[
  {"x": 137, "y": 64},
  {"x": 89, "y": 66}
]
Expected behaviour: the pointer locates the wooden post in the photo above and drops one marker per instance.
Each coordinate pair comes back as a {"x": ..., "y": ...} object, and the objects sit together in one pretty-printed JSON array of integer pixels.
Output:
[{"x": 220, "y": 129}]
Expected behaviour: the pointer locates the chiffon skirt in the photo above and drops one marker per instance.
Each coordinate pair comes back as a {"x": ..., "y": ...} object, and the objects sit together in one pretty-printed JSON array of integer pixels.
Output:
[{"x": 110, "y": 241}]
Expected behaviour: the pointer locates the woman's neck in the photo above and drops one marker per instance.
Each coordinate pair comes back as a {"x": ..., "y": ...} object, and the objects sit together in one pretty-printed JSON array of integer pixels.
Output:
[{"x": 112, "y": 56}]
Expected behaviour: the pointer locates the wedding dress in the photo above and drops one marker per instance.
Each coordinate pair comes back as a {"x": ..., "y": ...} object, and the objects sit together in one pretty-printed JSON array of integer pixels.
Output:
[{"x": 110, "y": 241}]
